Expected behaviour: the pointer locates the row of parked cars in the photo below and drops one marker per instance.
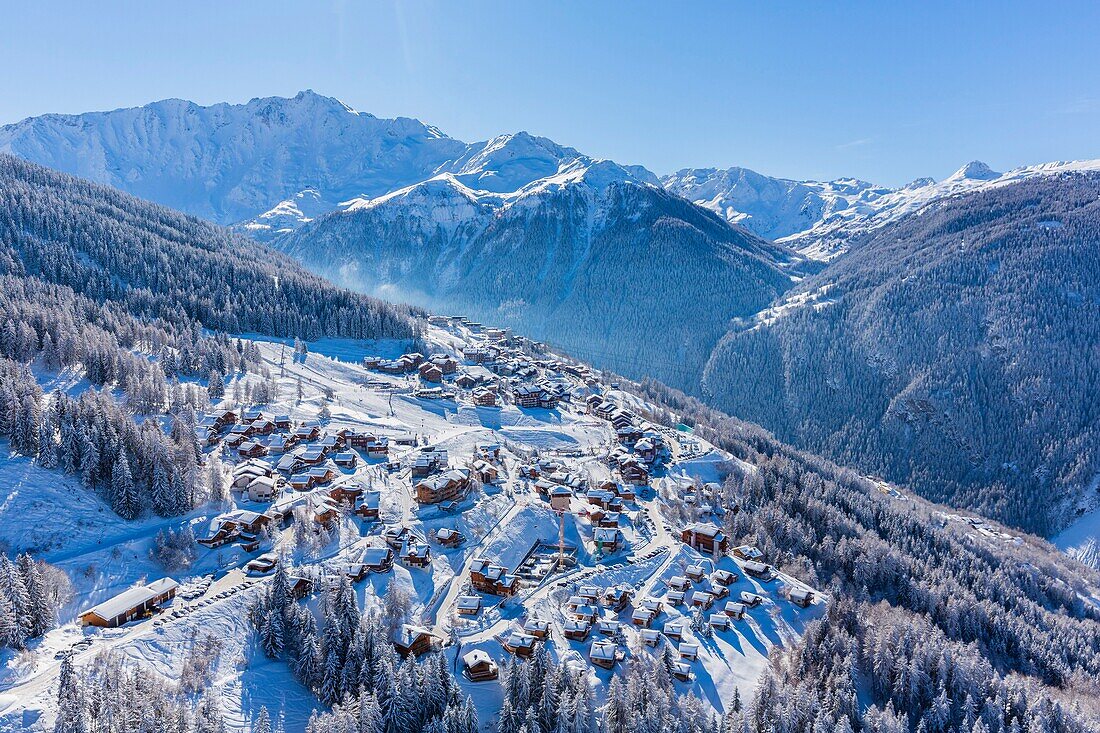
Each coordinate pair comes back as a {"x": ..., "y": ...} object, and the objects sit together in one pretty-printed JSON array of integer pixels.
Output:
[{"x": 182, "y": 611}]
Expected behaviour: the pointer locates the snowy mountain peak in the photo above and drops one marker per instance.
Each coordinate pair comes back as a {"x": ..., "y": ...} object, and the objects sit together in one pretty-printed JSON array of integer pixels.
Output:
[
  {"x": 918, "y": 183},
  {"x": 975, "y": 170}
]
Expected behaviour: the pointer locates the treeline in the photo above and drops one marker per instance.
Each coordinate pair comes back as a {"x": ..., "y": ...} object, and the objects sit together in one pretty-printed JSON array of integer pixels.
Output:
[
  {"x": 351, "y": 664},
  {"x": 952, "y": 351},
  {"x": 1019, "y": 610},
  {"x": 31, "y": 593}
]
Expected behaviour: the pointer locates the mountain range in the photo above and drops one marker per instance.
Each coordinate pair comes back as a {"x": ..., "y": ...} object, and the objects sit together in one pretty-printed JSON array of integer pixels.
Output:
[{"x": 719, "y": 281}]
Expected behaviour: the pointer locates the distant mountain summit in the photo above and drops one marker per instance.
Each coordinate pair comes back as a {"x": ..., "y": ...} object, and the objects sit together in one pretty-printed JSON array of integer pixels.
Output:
[
  {"x": 820, "y": 219},
  {"x": 231, "y": 162}
]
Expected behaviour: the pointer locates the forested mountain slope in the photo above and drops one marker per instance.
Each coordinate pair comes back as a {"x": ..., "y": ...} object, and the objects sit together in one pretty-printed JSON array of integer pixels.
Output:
[
  {"x": 933, "y": 624},
  {"x": 954, "y": 351},
  {"x": 159, "y": 264},
  {"x": 605, "y": 265},
  {"x": 124, "y": 293}
]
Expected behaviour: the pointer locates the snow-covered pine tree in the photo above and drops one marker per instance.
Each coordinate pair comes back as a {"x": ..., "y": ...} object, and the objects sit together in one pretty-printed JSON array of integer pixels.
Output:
[
  {"x": 124, "y": 498},
  {"x": 43, "y": 616},
  {"x": 70, "y": 712}
]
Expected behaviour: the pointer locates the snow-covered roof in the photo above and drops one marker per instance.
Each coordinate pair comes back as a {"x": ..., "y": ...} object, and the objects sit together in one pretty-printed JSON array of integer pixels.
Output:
[{"x": 130, "y": 599}]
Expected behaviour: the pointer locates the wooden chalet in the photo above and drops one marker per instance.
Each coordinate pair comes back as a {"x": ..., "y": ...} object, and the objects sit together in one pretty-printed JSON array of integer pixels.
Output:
[
  {"x": 759, "y": 570},
  {"x": 414, "y": 640},
  {"x": 675, "y": 630},
  {"x": 678, "y": 582},
  {"x": 489, "y": 577},
  {"x": 617, "y": 598},
  {"x": 307, "y": 433},
  {"x": 689, "y": 651},
  {"x": 233, "y": 526},
  {"x": 431, "y": 373},
  {"x": 520, "y": 644},
  {"x": 705, "y": 537},
  {"x": 603, "y": 654},
  {"x": 484, "y": 397},
  {"x": 468, "y": 605},
  {"x": 301, "y": 482},
  {"x": 347, "y": 459},
  {"x": 599, "y": 497},
  {"x": 429, "y": 461},
  {"x": 354, "y": 439},
  {"x": 263, "y": 488},
  {"x": 263, "y": 564},
  {"x": 607, "y": 539},
  {"x": 751, "y": 599},
  {"x": 801, "y": 597},
  {"x": 645, "y": 450},
  {"x": 734, "y": 609},
  {"x": 416, "y": 554},
  {"x": 537, "y": 627},
  {"x": 642, "y": 617},
  {"x": 724, "y": 577},
  {"x": 379, "y": 448},
  {"x": 650, "y": 637},
  {"x": 447, "y": 486},
  {"x": 251, "y": 449},
  {"x": 262, "y": 426},
  {"x": 608, "y": 520},
  {"x": 701, "y": 599},
  {"x": 345, "y": 493},
  {"x": 526, "y": 395},
  {"x": 130, "y": 604},
  {"x": 561, "y": 498},
  {"x": 448, "y": 537},
  {"x": 300, "y": 587},
  {"x": 322, "y": 475},
  {"x": 395, "y": 535},
  {"x": 485, "y": 472},
  {"x": 312, "y": 454},
  {"x": 224, "y": 418},
  {"x": 634, "y": 472},
  {"x": 377, "y": 559},
  {"x": 695, "y": 572},
  {"x": 607, "y": 627},
  {"x": 466, "y": 381},
  {"x": 368, "y": 508},
  {"x": 478, "y": 666},
  {"x": 748, "y": 552},
  {"x": 576, "y": 630}
]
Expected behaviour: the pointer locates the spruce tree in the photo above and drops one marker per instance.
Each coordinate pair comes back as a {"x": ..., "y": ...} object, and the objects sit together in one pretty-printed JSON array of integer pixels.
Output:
[{"x": 124, "y": 498}]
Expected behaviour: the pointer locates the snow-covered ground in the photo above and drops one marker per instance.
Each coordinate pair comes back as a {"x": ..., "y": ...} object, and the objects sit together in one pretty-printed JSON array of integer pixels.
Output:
[{"x": 70, "y": 527}]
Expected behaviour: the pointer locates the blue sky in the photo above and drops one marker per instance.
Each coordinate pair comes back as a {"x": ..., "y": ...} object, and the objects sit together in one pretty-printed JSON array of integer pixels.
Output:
[{"x": 885, "y": 91}]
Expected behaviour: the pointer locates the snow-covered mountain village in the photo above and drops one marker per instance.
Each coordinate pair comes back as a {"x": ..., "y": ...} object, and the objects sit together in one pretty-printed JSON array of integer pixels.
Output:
[
  {"x": 549, "y": 368},
  {"x": 487, "y": 499}
]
